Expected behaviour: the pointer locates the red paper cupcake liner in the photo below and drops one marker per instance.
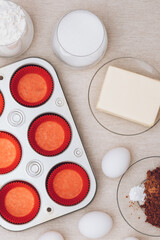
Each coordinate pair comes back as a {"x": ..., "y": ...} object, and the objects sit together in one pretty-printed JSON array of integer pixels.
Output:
[
  {"x": 19, "y": 220},
  {"x": 44, "y": 118},
  {"x": 1, "y": 103},
  {"x": 17, "y": 145},
  {"x": 26, "y": 70},
  {"x": 67, "y": 202}
]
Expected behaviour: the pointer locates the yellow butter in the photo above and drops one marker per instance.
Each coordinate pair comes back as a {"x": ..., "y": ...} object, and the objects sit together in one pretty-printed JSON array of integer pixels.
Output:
[{"x": 130, "y": 96}]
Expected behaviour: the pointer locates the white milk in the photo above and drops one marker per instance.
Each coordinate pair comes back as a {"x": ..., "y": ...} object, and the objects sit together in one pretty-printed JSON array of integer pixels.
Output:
[{"x": 80, "y": 39}]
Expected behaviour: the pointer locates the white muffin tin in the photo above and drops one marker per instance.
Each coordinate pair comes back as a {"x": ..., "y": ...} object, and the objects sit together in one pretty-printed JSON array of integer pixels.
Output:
[{"x": 33, "y": 167}]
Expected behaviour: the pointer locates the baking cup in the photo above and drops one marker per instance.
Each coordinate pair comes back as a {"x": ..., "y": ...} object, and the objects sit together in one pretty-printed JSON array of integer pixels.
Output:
[
  {"x": 67, "y": 184},
  {"x": 20, "y": 202},
  {"x": 31, "y": 85},
  {"x": 10, "y": 152},
  {"x": 49, "y": 134},
  {"x": 1, "y": 103}
]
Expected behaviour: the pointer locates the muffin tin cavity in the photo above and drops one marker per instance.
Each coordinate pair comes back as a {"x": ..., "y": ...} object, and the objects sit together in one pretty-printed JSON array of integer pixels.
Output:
[
  {"x": 20, "y": 202},
  {"x": 1, "y": 103},
  {"x": 10, "y": 152},
  {"x": 31, "y": 85},
  {"x": 39, "y": 141},
  {"x": 49, "y": 134},
  {"x": 68, "y": 184}
]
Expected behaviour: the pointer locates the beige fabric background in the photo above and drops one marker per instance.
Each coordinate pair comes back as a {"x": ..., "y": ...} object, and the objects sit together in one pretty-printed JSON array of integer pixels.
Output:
[{"x": 134, "y": 30}]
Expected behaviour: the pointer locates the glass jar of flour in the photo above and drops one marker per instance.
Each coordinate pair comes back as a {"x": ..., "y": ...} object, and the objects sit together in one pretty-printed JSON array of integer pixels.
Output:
[
  {"x": 16, "y": 29},
  {"x": 80, "y": 39}
]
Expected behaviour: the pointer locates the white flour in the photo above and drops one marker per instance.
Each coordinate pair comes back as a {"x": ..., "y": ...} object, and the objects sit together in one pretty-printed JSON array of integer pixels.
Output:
[
  {"x": 12, "y": 22},
  {"x": 137, "y": 194}
]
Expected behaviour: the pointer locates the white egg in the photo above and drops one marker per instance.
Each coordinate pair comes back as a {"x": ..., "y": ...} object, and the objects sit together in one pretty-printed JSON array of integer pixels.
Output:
[
  {"x": 116, "y": 162},
  {"x": 131, "y": 238},
  {"x": 95, "y": 224},
  {"x": 51, "y": 236}
]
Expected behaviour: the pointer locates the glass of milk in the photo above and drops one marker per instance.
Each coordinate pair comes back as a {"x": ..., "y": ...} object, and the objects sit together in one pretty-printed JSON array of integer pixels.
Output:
[
  {"x": 16, "y": 29},
  {"x": 80, "y": 39}
]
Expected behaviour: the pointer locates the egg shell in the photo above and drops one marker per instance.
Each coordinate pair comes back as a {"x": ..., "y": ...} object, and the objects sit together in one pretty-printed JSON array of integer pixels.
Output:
[
  {"x": 95, "y": 224},
  {"x": 51, "y": 236},
  {"x": 131, "y": 238},
  {"x": 115, "y": 162}
]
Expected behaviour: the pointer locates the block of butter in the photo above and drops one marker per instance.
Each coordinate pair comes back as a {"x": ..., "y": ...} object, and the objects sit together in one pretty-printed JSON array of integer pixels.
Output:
[{"x": 130, "y": 96}]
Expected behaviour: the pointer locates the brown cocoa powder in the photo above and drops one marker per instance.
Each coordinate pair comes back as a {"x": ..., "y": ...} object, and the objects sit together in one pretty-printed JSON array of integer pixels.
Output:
[{"x": 152, "y": 200}]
